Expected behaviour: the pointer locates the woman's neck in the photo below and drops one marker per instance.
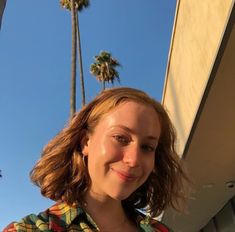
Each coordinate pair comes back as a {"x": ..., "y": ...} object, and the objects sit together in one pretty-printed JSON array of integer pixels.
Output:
[
  {"x": 107, "y": 213},
  {"x": 98, "y": 203}
]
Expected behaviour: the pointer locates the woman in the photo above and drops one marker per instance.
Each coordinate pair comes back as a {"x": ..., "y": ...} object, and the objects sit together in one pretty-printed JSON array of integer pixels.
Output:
[{"x": 115, "y": 158}]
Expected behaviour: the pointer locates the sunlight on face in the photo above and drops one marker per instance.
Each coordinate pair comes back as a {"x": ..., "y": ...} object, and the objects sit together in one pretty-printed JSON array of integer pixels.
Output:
[{"x": 121, "y": 150}]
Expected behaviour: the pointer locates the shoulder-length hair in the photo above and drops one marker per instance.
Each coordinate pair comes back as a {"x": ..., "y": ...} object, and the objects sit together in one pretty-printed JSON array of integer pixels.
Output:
[{"x": 62, "y": 174}]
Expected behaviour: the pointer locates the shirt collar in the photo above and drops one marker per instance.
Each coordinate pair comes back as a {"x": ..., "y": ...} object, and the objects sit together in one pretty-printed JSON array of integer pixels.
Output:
[{"x": 61, "y": 215}]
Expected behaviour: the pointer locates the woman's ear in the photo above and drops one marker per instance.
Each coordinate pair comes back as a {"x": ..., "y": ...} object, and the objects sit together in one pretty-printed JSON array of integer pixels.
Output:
[{"x": 84, "y": 145}]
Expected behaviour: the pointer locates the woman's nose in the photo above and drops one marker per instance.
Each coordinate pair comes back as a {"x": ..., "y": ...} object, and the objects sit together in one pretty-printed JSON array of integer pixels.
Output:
[{"x": 132, "y": 156}]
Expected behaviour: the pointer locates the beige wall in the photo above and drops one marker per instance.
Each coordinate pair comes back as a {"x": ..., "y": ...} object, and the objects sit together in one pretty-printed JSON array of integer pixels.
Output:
[{"x": 198, "y": 30}]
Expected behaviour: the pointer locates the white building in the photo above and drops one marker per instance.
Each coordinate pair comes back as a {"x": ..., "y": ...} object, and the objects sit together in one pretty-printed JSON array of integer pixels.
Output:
[{"x": 199, "y": 94}]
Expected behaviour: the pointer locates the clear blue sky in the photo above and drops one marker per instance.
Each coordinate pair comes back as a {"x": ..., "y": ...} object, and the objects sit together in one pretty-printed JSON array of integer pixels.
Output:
[{"x": 35, "y": 48}]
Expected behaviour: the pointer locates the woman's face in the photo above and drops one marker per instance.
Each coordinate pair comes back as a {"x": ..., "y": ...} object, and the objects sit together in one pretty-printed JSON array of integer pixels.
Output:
[{"x": 121, "y": 150}]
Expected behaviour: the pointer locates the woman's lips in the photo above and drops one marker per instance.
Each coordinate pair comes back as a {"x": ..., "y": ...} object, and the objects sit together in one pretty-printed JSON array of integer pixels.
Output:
[{"x": 124, "y": 175}]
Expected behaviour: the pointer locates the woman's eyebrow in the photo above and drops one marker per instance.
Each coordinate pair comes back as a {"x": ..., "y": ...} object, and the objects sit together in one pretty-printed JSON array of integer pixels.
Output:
[
  {"x": 124, "y": 128},
  {"x": 150, "y": 137}
]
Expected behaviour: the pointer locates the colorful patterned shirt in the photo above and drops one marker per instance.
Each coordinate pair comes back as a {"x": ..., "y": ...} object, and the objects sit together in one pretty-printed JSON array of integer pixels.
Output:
[{"x": 62, "y": 217}]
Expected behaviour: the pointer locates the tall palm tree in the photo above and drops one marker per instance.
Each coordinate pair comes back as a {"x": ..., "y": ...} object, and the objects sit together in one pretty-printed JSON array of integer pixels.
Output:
[
  {"x": 70, "y": 4},
  {"x": 2, "y": 7},
  {"x": 104, "y": 68},
  {"x": 75, "y": 6},
  {"x": 80, "y": 5}
]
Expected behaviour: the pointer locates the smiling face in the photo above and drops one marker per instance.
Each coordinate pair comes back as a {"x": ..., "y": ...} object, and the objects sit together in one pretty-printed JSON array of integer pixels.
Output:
[{"x": 121, "y": 150}]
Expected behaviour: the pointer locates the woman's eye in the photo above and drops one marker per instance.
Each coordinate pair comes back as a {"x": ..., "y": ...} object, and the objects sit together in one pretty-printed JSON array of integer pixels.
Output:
[
  {"x": 148, "y": 148},
  {"x": 121, "y": 139}
]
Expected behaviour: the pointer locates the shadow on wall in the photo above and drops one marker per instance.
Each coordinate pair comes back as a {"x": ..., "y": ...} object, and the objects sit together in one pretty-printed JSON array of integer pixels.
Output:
[{"x": 2, "y": 7}]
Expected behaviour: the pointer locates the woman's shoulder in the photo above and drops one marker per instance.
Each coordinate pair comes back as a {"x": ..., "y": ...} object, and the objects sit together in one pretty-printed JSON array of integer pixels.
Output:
[
  {"x": 55, "y": 218},
  {"x": 149, "y": 224},
  {"x": 31, "y": 222},
  {"x": 159, "y": 226}
]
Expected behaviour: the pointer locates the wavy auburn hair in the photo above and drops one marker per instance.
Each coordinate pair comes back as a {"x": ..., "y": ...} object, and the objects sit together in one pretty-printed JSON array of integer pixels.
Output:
[{"x": 62, "y": 175}]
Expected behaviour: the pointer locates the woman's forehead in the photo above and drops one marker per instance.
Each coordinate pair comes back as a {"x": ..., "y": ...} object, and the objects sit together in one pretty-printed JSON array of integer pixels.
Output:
[{"x": 133, "y": 115}]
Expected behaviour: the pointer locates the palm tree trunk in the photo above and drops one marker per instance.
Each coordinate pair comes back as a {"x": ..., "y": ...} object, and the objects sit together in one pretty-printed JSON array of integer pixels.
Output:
[
  {"x": 80, "y": 61},
  {"x": 103, "y": 82},
  {"x": 73, "y": 63}
]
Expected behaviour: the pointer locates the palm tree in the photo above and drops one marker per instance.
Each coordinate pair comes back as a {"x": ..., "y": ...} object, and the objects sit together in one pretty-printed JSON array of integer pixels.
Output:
[
  {"x": 104, "y": 68},
  {"x": 75, "y": 6},
  {"x": 2, "y": 7}
]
